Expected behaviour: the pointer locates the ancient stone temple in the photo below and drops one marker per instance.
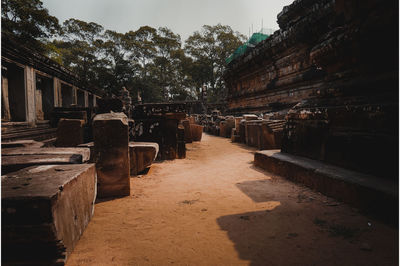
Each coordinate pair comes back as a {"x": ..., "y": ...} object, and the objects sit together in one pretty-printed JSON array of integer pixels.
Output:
[
  {"x": 331, "y": 70},
  {"x": 34, "y": 88}
]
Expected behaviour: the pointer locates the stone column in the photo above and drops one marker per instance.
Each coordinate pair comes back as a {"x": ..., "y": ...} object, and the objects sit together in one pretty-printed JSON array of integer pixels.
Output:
[
  {"x": 39, "y": 103},
  {"x": 86, "y": 94},
  {"x": 30, "y": 85},
  {"x": 74, "y": 95},
  {"x": 57, "y": 92},
  {"x": 110, "y": 133},
  {"x": 4, "y": 96}
]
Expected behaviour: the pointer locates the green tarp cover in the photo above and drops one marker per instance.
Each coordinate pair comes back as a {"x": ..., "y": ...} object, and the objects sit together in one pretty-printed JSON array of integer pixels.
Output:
[{"x": 254, "y": 39}]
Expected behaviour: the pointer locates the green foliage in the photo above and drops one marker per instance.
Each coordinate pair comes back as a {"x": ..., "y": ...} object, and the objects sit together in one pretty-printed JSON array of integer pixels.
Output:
[
  {"x": 28, "y": 21},
  {"x": 209, "y": 48},
  {"x": 150, "y": 62}
]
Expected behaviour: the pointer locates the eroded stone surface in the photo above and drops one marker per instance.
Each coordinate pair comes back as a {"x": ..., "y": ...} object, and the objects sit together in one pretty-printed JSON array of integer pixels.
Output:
[
  {"x": 319, "y": 69},
  {"x": 110, "y": 132},
  {"x": 14, "y": 163},
  {"x": 84, "y": 152},
  {"x": 70, "y": 132},
  {"x": 188, "y": 132},
  {"x": 142, "y": 155},
  {"x": 197, "y": 132},
  {"x": 45, "y": 210}
]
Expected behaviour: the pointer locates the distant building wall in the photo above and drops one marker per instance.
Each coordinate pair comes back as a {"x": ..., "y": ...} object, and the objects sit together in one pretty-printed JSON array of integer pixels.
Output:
[{"x": 32, "y": 85}]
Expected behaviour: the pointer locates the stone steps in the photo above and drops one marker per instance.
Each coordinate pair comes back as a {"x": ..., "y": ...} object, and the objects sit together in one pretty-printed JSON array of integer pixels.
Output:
[{"x": 21, "y": 132}]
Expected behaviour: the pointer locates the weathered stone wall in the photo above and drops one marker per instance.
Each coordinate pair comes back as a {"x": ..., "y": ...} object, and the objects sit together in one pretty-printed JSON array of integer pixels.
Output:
[
  {"x": 334, "y": 65},
  {"x": 321, "y": 45}
]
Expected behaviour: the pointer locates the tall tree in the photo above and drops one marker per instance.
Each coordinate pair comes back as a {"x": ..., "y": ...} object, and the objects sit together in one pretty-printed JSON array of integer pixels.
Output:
[
  {"x": 79, "y": 48},
  {"x": 209, "y": 48},
  {"x": 29, "y": 21},
  {"x": 167, "y": 45}
]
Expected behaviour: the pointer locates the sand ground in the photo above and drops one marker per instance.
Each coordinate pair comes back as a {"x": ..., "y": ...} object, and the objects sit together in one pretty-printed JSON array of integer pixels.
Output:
[{"x": 216, "y": 208}]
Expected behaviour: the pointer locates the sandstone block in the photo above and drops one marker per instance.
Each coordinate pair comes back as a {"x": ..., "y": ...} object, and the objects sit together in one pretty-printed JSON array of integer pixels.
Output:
[
  {"x": 14, "y": 163},
  {"x": 90, "y": 146},
  {"x": 84, "y": 153},
  {"x": 250, "y": 117},
  {"x": 271, "y": 134},
  {"x": 242, "y": 131},
  {"x": 188, "y": 132},
  {"x": 110, "y": 132},
  {"x": 197, "y": 132},
  {"x": 222, "y": 129},
  {"x": 237, "y": 124},
  {"x": 192, "y": 119},
  {"x": 141, "y": 155},
  {"x": 70, "y": 132},
  {"x": 45, "y": 210},
  {"x": 253, "y": 133},
  {"x": 181, "y": 147}
]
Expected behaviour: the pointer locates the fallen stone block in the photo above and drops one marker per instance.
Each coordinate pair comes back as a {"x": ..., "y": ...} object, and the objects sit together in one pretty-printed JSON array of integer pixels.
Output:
[
  {"x": 170, "y": 145},
  {"x": 237, "y": 124},
  {"x": 70, "y": 132},
  {"x": 188, "y": 132},
  {"x": 90, "y": 146},
  {"x": 181, "y": 146},
  {"x": 222, "y": 129},
  {"x": 250, "y": 117},
  {"x": 14, "y": 163},
  {"x": 271, "y": 134},
  {"x": 230, "y": 123},
  {"x": 83, "y": 152},
  {"x": 45, "y": 209},
  {"x": 110, "y": 132},
  {"x": 242, "y": 131},
  {"x": 141, "y": 156},
  {"x": 253, "y": 133},
  {"x": 235, "y": 138},
  {"x": 192, "y": 119},
  {"x": 197, "y": 132}
]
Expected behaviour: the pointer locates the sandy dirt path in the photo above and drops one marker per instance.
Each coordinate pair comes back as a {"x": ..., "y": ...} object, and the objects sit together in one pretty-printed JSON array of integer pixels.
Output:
[{"x": 215, "y": 208}]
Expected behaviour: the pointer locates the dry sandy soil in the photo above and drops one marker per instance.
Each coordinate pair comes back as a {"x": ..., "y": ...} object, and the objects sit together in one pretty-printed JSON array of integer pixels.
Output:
[{"x": 215, "y": 208}]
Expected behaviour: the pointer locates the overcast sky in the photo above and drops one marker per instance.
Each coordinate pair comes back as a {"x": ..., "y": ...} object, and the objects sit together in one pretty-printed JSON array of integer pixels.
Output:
[{"x": 181, "y": 16}]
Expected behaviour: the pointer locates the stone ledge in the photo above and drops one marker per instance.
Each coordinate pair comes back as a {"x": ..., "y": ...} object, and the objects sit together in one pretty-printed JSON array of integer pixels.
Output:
[
  {"x": 371, "y": 194},
  {"x": 83, "y": 152}
]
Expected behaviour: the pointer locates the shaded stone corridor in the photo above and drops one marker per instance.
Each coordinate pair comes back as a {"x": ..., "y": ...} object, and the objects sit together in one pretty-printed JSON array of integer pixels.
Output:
[{"x": 216, "y": 208}]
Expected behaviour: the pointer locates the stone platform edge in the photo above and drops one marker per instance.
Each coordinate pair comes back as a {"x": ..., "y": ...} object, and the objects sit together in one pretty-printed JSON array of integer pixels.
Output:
[{"x": 373, "y": 195}]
